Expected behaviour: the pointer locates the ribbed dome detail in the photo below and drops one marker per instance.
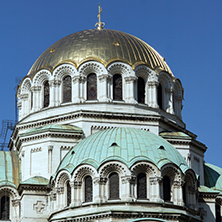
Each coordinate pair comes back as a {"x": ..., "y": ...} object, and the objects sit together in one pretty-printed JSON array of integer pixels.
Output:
[
  {"x": 101, "y": 45},
  {"x": 127, "y": 145}
]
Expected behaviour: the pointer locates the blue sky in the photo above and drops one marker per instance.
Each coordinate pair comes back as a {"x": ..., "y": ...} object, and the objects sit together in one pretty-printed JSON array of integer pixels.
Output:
[{"x": 187, "y": 33}]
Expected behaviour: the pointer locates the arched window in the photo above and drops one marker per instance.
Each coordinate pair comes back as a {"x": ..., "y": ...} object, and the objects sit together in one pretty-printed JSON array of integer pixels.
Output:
[
  {"x": 141, "y": 186},
  {"x": 88, "y": 189},
  {"x": 46, "y": 94},
  {"x": 68, "y": 194},
  {"x": 141, "y": 90},
  {"x": 4, "y": 214},
  {"x": 67, "y": 89},
  {"x": 91, "y": 87},
  {"x": 160, "y": 96},
  {"x": 113, "y": 186},
  {"x": 31, "y": 99},
  {"x": 166, "y": 188},
  {"x": 117, "y": 87},
  {"x": 185, "y": 193}
]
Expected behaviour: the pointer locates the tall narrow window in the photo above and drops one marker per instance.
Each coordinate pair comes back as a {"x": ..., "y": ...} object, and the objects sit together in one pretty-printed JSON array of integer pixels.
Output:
[
  {"x": 166, "y": 188},
  {"x": 218, "y": 213},
  {"x": 113, "y": 186},
  {"x": 91, "y": 87},
  {"x": 117, "y": 87},
  {"x": 185, "y": 193},
  {"x": 88, "y": 189},
  {"x": 31, "y": 99},
  {"x": 141, "y": 186},
  {"x": 141, "y": 90},
  {"x": 68, "y": 194},
  {"x": 67, "y": 89},
  {"x": 160, "y": 96},
  {"x": 4, "y": 214},
  {"x": 46, "y": 94}
]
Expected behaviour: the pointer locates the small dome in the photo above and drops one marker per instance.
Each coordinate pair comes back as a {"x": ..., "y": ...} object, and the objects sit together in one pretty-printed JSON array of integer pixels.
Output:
[
  {"x": 101, "y": 45},
  {"x": 127, "y": 145}
]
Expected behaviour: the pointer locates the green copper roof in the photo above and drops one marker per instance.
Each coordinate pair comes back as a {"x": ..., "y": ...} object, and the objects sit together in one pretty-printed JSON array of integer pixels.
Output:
[
  {"x": 53, "y": 128},
  {"x": 204, "y": 189},
  {"x": 178, "y": 135},
  {"x": 37, "y": 180},
  {"x": 127, "y": 145},
  {"x": 213, "y": 176},
  {"x": 9, "y": 168}
]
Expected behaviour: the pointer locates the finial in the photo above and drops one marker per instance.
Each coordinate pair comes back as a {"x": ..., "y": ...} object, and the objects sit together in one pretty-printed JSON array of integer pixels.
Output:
[{"x": 99, "y": 24}]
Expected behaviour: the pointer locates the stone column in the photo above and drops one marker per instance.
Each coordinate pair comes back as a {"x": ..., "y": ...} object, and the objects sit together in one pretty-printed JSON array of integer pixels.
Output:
[
  {"x": 103, "y": 189},
  {"x": 77, "y": 192},
  {"x": 57, "y": 92},
  {"x": 170, "y": 101},
  {"x": 24, "y": 101},
  {"x": 153, "y": 102},
  {"x": 129, "y": 95},
  {"x": 178, "y": 193},
  {"x": 103, "y": 94},
  {"x": 155, "y": 189},
  {"x": 60, "y": 199},
  {"x": 72, "y": 185},
  {"x": 96, "y": 190},
  {"x": 50, "y": 148},
  {"x": 82, "y": 81},
  {"x": 126, "y": 194},
  {"x": 36, "y": 98},
  {"x": 76, "y": 89}
]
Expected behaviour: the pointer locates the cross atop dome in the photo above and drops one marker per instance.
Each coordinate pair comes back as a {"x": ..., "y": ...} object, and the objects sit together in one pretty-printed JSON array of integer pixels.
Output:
[{"x": 100, "y": 25}]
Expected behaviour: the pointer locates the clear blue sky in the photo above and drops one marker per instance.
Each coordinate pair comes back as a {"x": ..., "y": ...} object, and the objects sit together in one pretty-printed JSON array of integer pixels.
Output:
[{"x": 187, "y": 33}]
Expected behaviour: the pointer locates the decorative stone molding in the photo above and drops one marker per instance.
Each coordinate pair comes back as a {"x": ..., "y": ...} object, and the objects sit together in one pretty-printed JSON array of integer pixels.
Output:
[
  {"x": 63, "y": 70},
  {"x": 145, "y": 167},
  {"x": 39, "y": 207},
  {"x": 50, "y": 148},
  {"x": 120, "y": 68},
  {"x": 62, "y": 177},
  {"x": 92, "y": 67},
  {"x": 60, "y": 190},
  {"x": 66, "y": 147},
  {"x": 35, "y": 150},
  {"x": 40, "y": 77},
  {"x": 83, "y": 171},
  {"x": 155, "y": 180}
]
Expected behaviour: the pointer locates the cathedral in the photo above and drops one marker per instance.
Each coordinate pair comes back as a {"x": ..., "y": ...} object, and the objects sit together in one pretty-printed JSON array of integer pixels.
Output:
[{"x": 100, "y": 138}]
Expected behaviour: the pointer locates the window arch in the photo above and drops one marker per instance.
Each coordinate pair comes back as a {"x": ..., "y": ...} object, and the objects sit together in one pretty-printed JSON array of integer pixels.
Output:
[
  {"x": 141, "y": 186},
  {"x": 160, "y": 96},
  {"x": 68, "y": 194},
  {"x": 67, "y": 89},
  {"x": 46, "y": 94},
  {"x": 88, "y": 189},
  {"x": 166, "y": 189},
  {"x": 117, "y": 87},
  {"x": 113, "y": 186},
  {"x": 91, "y": 87},
  {"x": 5, "y": 206},
  {"x": 140, "y": 90}
]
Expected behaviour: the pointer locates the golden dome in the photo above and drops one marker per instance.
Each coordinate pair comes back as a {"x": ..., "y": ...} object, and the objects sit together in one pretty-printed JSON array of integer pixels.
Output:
[{"x": 101, "y": 45}]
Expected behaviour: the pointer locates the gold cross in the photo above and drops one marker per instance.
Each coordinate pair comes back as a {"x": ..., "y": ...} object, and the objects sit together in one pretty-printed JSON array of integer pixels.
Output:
[{"x": 99, "y": 24}]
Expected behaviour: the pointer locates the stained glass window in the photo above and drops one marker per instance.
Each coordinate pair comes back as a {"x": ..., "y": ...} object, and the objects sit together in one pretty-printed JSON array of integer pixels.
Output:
[
  {"x": 4, "y": 214},
  {"x": 160, "y": 97},
  {"x": 141, "y": 186},
  {"x": 166, "y": 188},
  {"x": 88, "y": 189},
  {"x": 46, "y": 94},
  {"x": 113, "y": 186},
  {"x": 68, "y": 194},
  {"x": 141, "y": 90},
  {"x": 117, "y": 87},
  {"x": 67, "y": 89},
  {"x": 91, "y": 87}
]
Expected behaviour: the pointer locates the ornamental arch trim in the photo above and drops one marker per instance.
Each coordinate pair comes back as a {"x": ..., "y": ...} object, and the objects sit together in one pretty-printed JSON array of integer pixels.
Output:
[
  {"x": 62, "y": 177},
  {"x": 178, "y": 89},
  {"x": 40, "y": 77},
  {"x": 165, "y": 80},
  {"x": 12, "y": 192},
  {"x": 120, "y": 68},
  {"x": 82, "y": 171},
  {"x": 113, "y": 167},
  {"x": 92, "y": 67},
  {"x": 145, "y": 167},
  {"x": 64, "y": 70},
  {"x": 26, "y": 86},
  {"x": 172, "y": 171},
  {"x": 143, "y": 71}
]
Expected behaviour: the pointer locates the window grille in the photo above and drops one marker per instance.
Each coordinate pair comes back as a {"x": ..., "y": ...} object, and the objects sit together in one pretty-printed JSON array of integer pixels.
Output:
[
  {"x": 113, "y": 186},
  {"x": 141, "y": 186},
  {"x": 4, "y": 214},
  {"x": 46, "y": 94},
  {"x": 141, "y": 90},
  {"x": 68, "y": 194},
  {"x": 67, "y": 89},
  {"x": 91, "y": 87},
  {"x": 117, "y": 87},
  {"x": 88, "y": 189}
]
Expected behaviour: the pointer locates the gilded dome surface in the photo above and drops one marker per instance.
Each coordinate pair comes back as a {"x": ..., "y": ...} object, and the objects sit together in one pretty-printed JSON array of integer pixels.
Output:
[
  {"x": 101, "y": 45},
  {"x": 127, "y": 145}
]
